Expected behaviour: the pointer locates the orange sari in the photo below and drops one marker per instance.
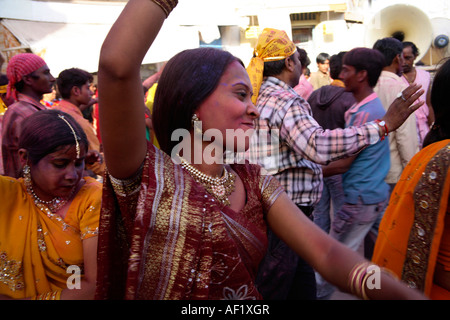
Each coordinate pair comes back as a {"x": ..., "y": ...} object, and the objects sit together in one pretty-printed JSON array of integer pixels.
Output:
[
  {"x": 414, "y": 232},
  {"x": 36, "y": 246}
]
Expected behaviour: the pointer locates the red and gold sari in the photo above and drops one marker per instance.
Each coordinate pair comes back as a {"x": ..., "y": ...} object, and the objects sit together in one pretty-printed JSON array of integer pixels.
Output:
[
  {"x": 414, "y": 234},
  {"x": 171, "y": 240}
]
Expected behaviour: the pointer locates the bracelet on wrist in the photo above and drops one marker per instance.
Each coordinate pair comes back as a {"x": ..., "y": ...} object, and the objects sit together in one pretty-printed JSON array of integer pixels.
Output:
[
  {"x": 166, "y": 5},
  {"x": 382, "y": 124}
]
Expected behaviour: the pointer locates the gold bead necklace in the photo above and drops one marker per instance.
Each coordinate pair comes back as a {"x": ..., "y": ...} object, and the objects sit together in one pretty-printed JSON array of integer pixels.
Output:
[
  {"x": 219, "y": 187},
  {"x": 53, "y": 205}
]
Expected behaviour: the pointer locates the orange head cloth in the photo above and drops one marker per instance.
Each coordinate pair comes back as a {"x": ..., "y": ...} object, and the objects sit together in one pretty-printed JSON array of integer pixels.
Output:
[{"x": 272, "y": 45}]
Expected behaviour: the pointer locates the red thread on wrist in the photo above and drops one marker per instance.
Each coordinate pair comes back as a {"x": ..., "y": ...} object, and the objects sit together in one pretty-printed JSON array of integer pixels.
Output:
[{"x": 386, "y": 130}]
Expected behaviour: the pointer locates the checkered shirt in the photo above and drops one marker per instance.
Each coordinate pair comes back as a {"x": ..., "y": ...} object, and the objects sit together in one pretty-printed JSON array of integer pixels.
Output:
[{"x": 291, "y": 145}]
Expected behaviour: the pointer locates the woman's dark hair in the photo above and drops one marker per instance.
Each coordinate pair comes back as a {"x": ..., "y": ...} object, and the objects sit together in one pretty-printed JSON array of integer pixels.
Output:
[
  {"x": 186, "y": 81},
  {"x": 366, "y": 59},
  {"x": 441, "y": 106},
  {"x": 44, "y": 132}
]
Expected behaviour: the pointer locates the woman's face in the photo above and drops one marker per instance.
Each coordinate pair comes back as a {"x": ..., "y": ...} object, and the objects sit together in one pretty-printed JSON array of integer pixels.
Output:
[
  {"x": 229, "y": 109},
  {"x": 58, "y": 173}
]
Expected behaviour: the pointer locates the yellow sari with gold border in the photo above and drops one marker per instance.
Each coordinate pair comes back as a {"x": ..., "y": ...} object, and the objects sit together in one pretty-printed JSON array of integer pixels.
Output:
[{"x": 36, "y": 246}]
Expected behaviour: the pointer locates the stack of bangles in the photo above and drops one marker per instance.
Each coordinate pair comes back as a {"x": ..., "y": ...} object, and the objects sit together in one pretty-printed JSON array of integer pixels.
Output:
[
  {"x": 51, "y": 295},
  {"x": 166, "y": 5},
  {"x": 357, "y": 278}
]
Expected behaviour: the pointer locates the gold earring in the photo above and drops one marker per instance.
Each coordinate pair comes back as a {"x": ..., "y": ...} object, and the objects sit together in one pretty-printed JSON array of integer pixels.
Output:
[
  {"x": 194, "y": 119},
  {"x": 27, "y": 175},
  {"x": 196, "y": 124}
]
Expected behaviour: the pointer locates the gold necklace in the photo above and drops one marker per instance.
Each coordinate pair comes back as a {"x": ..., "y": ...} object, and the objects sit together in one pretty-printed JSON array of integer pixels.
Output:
[
  {"x": 219, "y": 187},
  {"x": 53, "y": 205}
]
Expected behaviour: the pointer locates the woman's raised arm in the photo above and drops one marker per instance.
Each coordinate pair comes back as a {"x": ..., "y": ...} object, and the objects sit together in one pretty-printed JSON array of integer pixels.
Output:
[
  {"x": 333, "y": 260},
  {"x": 121, "y": 98}
]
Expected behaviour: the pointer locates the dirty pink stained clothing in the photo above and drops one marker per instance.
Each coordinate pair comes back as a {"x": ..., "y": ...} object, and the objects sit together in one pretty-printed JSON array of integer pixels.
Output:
[
  {"x": 304, "y": 88},
  {"x": 402, "y": 146},
  {"x": 12, "y": 126},
  {"x": 423, "y": 78}
]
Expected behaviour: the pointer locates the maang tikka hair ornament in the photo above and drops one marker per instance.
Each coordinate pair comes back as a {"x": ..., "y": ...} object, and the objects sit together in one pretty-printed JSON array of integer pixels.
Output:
[{"x": 77, "y": 144}]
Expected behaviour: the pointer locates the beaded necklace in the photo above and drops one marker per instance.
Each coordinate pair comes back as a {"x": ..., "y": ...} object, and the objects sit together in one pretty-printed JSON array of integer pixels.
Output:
[
  {"x": 53, "y": 205},
  {"x": 219, "y": 187}
]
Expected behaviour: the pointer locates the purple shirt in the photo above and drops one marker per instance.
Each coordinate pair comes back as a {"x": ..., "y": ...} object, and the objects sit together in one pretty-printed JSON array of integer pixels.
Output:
[{"x": 12, "y": 127}]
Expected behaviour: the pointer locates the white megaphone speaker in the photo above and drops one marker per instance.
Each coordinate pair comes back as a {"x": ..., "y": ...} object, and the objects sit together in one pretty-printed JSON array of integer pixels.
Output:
[
  {"x": 440, "y": 48},
  {"x": 404, "y": 22}
]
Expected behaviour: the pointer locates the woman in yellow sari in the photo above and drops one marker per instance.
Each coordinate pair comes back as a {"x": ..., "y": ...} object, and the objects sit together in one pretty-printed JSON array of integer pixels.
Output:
[
  {"x": 49, "y": 218},
  {"x": 414, "y": 235}
]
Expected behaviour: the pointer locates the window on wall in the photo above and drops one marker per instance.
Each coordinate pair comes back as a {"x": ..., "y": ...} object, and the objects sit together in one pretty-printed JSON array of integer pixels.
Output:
[
  {"x": 306, "y": 16},
  {"x": 302, "y": 26},
  {"x": 302, "y": 35}
]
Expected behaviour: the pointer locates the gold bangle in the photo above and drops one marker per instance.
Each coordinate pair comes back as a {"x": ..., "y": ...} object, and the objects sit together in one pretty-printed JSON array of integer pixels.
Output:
[
  {"x": 166, "y": 5},
  {"x": 357, "y": 278},
  {"x": 364, "y": 295}
]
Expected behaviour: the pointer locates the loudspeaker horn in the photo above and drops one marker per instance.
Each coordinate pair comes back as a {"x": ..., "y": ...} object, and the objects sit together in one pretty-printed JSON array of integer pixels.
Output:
[{"x": 402, "y": 21}]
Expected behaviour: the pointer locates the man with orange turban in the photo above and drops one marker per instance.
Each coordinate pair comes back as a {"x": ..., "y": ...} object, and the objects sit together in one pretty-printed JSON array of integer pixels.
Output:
[
  {"x": 29, "y": 79},
  {"x": 276, "y": 65},
  {"x": 296, "y": 156},
  {"x": 273, "y": 45}
]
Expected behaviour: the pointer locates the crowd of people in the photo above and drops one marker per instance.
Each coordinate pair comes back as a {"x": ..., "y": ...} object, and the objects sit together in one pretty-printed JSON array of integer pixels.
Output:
[{"x": 109, "y": 198}]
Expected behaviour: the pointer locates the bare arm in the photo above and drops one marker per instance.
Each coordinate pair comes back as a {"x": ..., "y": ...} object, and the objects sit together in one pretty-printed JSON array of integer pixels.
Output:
[
  {"x": 330, "y": 258},
  {"x": 87, "y": 285},
  {"x": 338, "y": 166},
  {"x": 122, "y": 119},
  {"x": 86, "y": 290}
]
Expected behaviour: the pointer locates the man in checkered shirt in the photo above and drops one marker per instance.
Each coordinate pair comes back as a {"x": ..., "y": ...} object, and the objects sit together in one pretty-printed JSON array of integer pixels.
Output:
[{"x": 290, "y": 144}]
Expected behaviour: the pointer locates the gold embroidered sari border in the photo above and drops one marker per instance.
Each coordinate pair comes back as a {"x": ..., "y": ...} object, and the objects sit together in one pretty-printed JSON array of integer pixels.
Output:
[{"x": 427, "y": 200}]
